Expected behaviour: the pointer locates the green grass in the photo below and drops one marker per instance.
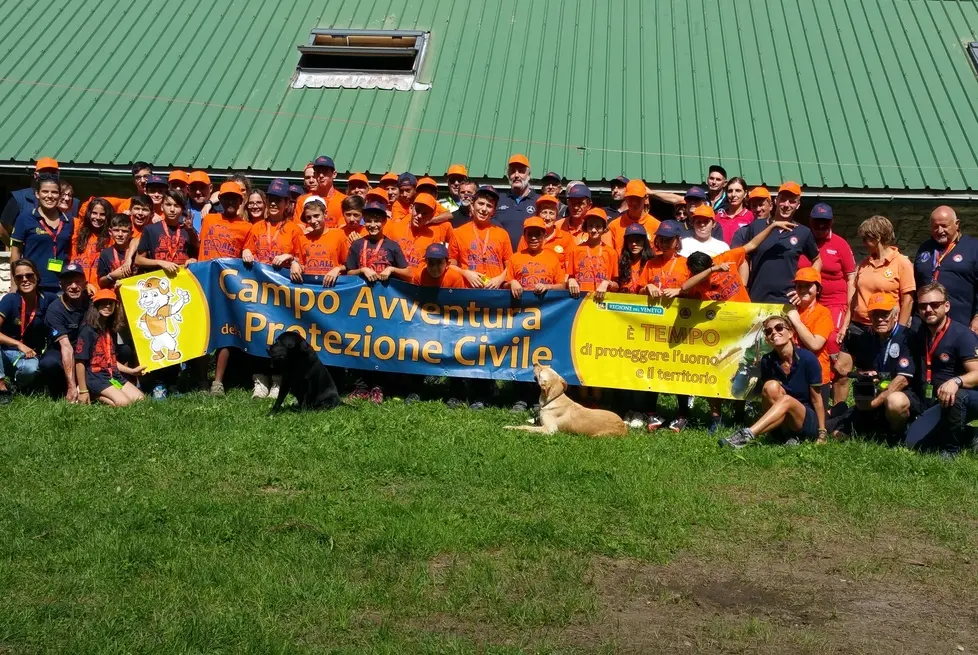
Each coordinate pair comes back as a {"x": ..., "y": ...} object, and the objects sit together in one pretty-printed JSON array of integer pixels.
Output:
[{"x": 200, "y": 525}]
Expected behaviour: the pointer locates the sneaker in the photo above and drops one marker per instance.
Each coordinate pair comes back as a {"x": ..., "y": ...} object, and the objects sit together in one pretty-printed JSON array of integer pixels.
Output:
[
  {"x": 634, "y": 419},
  {"x": 412, "y": 398},
  {"x": 6, "y": 397},
  {"x": 455, "y": 403},
  {"x": 217, "y": 388},
  {"x": 738, "y": 439},
  {"x": 792, "y": 442},
  {"x": 159, "y": 392},
  {"x": 360, "y": 391},
  {"x": 679, "y": 424},
  {"x": 654, "y": 422},
  {"x": 261, "y": 386},
  {"x": 519, "y": 406},
  {"x": 376, "y": 395},
  {"x": 477, "y": 405},
  {"x": 273, "y": 390},
  {"x": 715, "y": 425}
]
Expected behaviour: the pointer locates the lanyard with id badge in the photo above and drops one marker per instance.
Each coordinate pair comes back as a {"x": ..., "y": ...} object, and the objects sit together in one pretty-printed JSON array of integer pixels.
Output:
[
  {"x": 110, "y": 354},
  {"x": 54, "y": 264},
  {"x": 929, "y": 354}
]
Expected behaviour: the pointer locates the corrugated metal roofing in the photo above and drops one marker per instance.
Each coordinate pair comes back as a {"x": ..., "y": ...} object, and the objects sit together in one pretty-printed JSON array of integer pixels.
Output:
[{"x": 834, "y": 93}]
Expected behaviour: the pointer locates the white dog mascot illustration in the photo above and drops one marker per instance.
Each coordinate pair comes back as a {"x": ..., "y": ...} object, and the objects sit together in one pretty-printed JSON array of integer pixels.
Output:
[{"x": 161, "y": 313}]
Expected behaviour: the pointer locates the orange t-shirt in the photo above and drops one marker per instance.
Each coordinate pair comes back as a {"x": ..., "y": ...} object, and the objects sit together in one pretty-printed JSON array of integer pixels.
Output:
[
  {"x": 486, "y": 250},
  {"x": 636, "y": 283},
  {"x": 415, "y": 240},
  {"x": 220, "y": 237},
  {"x": 617, "y": 228},
  {"x": 334, "y": 207},
  {"x": 401, "y": 212},
  {"x": 532, "y": 269},
  {"x": 558, "y": 242},
  {"x": 818, "y": 320},
  {"x": 266, "y": 241},
  {"x": 325, "y": 252},
  {"x": 893, "y": 277},
  {"x": 577, "y": 235},
  {"x": 87, "y": 258},
  {"x": 666, "y": 273},
  {"x": 452, "y": 279},
  {"x": 723, "y": 285},
  {"x": 591, "y": 265}
]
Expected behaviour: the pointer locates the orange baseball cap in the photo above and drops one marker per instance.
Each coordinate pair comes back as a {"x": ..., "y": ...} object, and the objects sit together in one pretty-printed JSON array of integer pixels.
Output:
[
  {"x": 198, "y": 176},
  {"x": 881, "y": 302},
  {"x": 231, "y": 187},
  {"x": 427, "y": 181},
  {"x": 458, "y": 169},
  {"x": 358, "y": 177},
  {"x": 377, "y": 194},
  {"x": 179, "y": 176},
  {"x": 759, "y": 192},
  {"x": 519, "y": 159},
  {"x": 636, "y": 189},
  {"x": 808, "y": 274},
  {"x": 703, "y": 211},
  {"x": 790, "y": 187},
  {"x": 596, "y": 212},
  {"x": 389, "y": 177},
  {"x": 546, "y": 198},
  {"x": 105, "y": 294},
  {"x": 46, "y": 162},
  {"x": 534, "y": 221},
  {"x": 426, "y": 200}
]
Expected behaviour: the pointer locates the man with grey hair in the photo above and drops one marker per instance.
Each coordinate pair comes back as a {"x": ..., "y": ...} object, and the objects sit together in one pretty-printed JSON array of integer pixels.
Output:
[
  {"x": 519, "y": 203},
  {"x": 951, "y": 258}
]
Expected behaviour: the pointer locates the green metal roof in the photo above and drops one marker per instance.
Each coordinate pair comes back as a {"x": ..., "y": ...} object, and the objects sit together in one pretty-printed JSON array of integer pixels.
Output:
[{"x": 833, "y": 93}]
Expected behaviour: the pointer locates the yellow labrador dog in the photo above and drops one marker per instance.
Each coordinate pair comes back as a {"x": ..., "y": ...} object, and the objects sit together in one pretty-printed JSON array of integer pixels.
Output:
[{"x": 559, "y": 413}]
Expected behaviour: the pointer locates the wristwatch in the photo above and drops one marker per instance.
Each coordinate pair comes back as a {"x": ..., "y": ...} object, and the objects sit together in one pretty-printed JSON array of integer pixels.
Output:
[{"x": 957, "y": 381}]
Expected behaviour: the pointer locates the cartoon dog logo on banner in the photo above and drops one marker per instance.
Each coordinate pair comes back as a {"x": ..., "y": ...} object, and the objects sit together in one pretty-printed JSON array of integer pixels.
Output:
[{"x": 161, "y": 315}]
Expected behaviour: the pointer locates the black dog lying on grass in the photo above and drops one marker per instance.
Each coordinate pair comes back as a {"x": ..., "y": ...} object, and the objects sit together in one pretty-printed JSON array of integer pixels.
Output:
[{"x": 303, "y": 375}]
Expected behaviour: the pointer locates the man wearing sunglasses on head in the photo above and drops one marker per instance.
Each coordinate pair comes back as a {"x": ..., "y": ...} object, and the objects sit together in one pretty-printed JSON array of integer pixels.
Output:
[
  {"x": 791, "y": 391},
  {"x": 947, "y": 354}
]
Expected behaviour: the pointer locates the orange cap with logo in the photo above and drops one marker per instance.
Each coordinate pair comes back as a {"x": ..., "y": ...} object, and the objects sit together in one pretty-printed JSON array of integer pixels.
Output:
[
  {"x": 377, "y": 194},
  {"x": 389, "y": 177},
  {"x": 46, "y": 162},
  {"x": 596, "y": 212},
  {"x": 534, "y": 221},
  {"x": 231, "y": 187},
  {"x": 179, "y": 176},
  {"x": 427, "y": 181},
  {"x": 519, "y": 159},
  {"x": 458, "y": 169},
  {"x": 759, "y": 192},
  {"x": 703, "y": 211},
  {"x": 358, "y": 177},
  {"x": 426, "y": 200},
  {"x": 884, "y": 302},
  {"x": 198, "y": 176},
  {"x": 808, "y": 274},
  {"x": 105, "y": 294},
  {"x": 546, "y": 198},
  {"x": 636, "y": 189},
  {"x": 790, "y": 187}
]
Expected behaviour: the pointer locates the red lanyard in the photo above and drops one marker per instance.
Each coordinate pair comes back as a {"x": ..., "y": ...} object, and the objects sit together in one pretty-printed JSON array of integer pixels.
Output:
[
  {"x": 109, "y": 351},
  {"x": 51, "y": 233},
  {"x": 26, "y": 320},
  {"x": 171, "y": 249},
  {"x": 116, "y": 262},
  {"x": 269, "y": 243},
  {"x": 933, "y": 346},
  {"x": 939, "y": 259},
  {"x": 484, "y": 242},
  {"x": 363, "y": 253}
]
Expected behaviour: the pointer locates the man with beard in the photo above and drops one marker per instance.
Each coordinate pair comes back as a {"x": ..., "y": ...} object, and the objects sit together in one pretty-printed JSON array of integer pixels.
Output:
[
  {"x": 63, "y": 320},
  {"x": 716, "y": 182},
  {"x": 519, "y": 203}
]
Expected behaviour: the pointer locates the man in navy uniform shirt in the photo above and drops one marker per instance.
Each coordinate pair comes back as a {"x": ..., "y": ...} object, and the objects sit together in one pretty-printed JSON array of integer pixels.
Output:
[
  {"x": 949, "y": 366},
  {"x": 63, "y": 319},
  {"x": 519, "y": 203},
  {"x": 885, "y": 355},
  {"x": 774, "y": 264},
  {"x": 950, "y": 258}
]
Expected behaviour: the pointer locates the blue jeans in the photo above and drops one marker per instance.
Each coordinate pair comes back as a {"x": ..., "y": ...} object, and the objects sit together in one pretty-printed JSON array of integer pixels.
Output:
[
  {"x": 940, "y": 428},
  {"x": 23, "y": 370}
]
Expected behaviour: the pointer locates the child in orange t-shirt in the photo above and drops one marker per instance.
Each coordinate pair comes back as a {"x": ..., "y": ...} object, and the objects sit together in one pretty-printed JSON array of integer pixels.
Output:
[
  {"x": 324, "y": 250},
  {"x": 534, "y": 267},
  {"x": 415, "y": 234},
  {"x": 88, "y": 239},
  {"x": 667, "y": 271},
  {"x": 593, "y": 266},
  {"x": 812, "y": 321},
  {"x": 224, "y": 235},
  {"x": 635, "y": 257},
  {"x": 480, "y": 250},
  {"x": 555, "y": 240},
  {"x": 275, "y": 240},
  {"x": 436, "y": 271}
]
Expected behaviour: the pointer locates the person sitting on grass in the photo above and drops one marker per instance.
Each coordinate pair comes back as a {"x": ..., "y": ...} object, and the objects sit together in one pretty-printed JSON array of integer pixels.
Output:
[
  {"x": 791, "y": 392},
  {"x": 22, "y": 329},
  {"x": 98, "y": 371}
]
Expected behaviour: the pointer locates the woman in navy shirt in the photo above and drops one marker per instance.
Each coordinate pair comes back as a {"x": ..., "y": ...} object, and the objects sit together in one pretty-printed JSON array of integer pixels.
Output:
[
  {"x": 791, "y": 395},
  {"x": 43, "y": 234},
  {"x": 22, "y": 329}
]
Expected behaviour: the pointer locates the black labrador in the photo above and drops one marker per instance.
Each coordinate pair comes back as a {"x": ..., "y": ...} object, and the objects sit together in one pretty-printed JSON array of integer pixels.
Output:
[{"x": 303, "y": 375}]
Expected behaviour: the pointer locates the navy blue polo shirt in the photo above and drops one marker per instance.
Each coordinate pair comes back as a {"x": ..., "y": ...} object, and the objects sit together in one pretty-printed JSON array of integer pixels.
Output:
[
  {"x": 12, "y": 312},
  {"x": 958, "y": 345},
  {"x": 805, "y": 373},
  {"x": 512, "y": 211},
  {"x": 893, "y": 355},
  {"x": 168, "y": 244},
  {"x": 368, "y": 254},
  {"x": 958, "y": 272},
  {"x": 460, "y": 217},
  {"x": 62, "y": 320},
  {"x": 774, "y": 264},
  {"x": 39, "y": 246},
  {"x": 107, "y": 260}
]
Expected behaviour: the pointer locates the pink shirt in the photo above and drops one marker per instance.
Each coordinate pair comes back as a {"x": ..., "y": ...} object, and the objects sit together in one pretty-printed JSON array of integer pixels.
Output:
[
  {"x": 730, "y": 224},
  {"x": 837, "y": 263}
]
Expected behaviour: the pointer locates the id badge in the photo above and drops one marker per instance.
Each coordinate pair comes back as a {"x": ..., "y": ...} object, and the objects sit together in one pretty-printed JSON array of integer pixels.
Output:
[
  {"x": 55, "y": 265},
  {"x": 929, "y": 392},
  {"x": 115, "y": 383}
]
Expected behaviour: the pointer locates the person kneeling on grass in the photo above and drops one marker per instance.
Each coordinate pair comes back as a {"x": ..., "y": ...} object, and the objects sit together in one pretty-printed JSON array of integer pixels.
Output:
[
  {"x": 791, "y": 395},
  {"x": 97, "y": 370}
]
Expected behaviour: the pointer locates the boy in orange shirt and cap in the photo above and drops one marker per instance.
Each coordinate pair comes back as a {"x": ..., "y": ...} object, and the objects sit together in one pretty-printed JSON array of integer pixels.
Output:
[
  {"x": 480, "y": 249},
  {"x": 416, "y": 234},
  {"x": 275, "y": 240},
  {"x": 436, "y": 272},
  {"x": 534, "y": 267},
  {"x": 593, "y": 265}
]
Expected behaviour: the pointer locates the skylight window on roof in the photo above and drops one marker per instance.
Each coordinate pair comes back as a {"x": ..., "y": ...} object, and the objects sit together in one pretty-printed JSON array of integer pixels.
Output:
[{"x": 362, "y": 59}]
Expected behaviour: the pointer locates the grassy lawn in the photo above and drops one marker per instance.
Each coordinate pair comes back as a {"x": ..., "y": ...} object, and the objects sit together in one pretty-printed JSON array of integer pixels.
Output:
[{"x": 200, "y": 525}]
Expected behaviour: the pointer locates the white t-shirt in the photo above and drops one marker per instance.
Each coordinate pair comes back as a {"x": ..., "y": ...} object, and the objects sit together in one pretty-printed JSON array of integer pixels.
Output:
[{"x": 711, "y": 247}]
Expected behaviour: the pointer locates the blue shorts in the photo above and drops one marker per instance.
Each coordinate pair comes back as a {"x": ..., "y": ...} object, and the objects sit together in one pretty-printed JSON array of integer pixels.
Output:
[
  {"x": 809, "y": 427},
  {"x": 97, "y": 383}
]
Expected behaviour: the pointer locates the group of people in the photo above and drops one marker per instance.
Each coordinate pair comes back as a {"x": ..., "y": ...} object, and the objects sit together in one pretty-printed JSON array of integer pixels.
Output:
[{"x": 903, "y": 328}]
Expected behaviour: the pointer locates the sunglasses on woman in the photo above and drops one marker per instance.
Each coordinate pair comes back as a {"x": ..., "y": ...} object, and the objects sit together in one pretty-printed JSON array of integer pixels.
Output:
[
  {"x": 25, "y": 277},
  {"x": 779, "y": 328}
]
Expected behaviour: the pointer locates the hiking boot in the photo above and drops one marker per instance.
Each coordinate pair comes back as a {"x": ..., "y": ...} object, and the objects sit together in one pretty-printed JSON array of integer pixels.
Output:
[
  {"x": 6, "y": 397},
  {"x": 738, "y": 439},
  {"x": 519, "y": 406},
  {"x": 715, "y": 425},
  {"x": 412, "y": 398},
  {"x": 276, "y": 387},
  {"x": 655, "y": 422},
  {"x": 159, "y": 392},
  {"x": 478, "y": 405},
  {"x": 634, "y": 419},
  {"x": 261, "y": 386},
  {"x": 360, "y": 391},
  {"x": 791, "y": 443},
  {"x": 679, "y": 424},
  {"x": 455, "y": 403},
  {"x": 217, "y": 388},
  {"x": 376, "y": 395}
]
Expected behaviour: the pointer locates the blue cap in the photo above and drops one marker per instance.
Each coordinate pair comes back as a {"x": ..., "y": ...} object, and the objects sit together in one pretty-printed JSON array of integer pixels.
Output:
[
  {"x": 636, "y": 229},
  {"x": 375, "y": 207},
  {"x": 696, "y": 193},
  {"x": 158, "y": 180},
  {"x": 669, "y": 229},
  {"x": 622, "y": 180},
  {"x": 436, "y": 251},
  {"x": 279, "y": 188},
  {"x": 71, "y": 269},
  {"x": 579, "y": 191},
  {"x": 822, "y": 211},
  {"x": 324, "y": 161},
  {"x": 295, "y": 190},
  {"x": 550, "y": 175},
  {"x": 488, "y": 190},
  {"x": 407, "y": 178}
]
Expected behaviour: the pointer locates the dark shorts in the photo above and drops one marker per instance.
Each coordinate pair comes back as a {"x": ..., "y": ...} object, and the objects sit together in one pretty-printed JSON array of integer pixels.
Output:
[
  {"x": 809, "y": 427},
  {"x": 873, "y": 423},
  {"x": 97, "y": 383}
]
